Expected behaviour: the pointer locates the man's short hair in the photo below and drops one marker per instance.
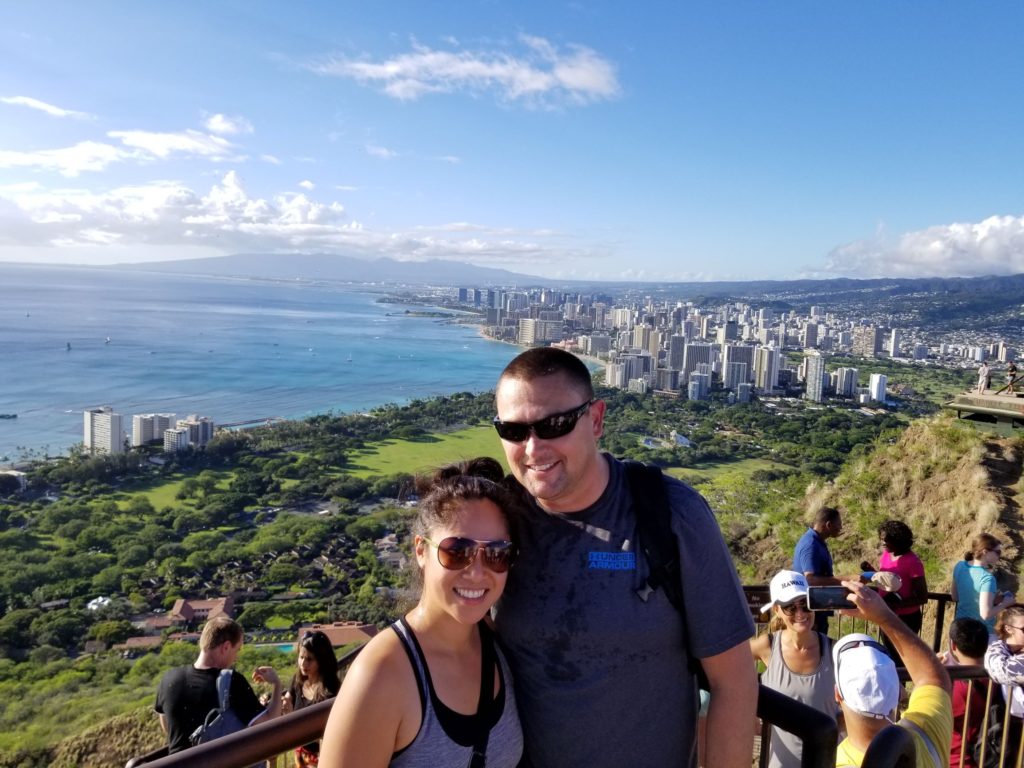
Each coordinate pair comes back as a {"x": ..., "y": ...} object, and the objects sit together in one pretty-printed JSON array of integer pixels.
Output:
[
  {"x": 826, "y": 515},
  {"x": 970, "y": 637},
  {"x": 218, "y": 630},
  {"x": 549, "y": 361}
]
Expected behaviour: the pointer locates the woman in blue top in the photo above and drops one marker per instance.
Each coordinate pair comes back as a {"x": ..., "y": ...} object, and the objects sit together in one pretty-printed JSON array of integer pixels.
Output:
[{"x": 974, "y": 586}]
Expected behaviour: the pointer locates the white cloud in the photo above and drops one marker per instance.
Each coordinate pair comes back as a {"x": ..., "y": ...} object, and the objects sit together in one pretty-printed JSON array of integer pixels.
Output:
[
  {"x": 307, "y": 184},
  {"x": 188, "y": 142},
  {"x": 227, "y": 219},
  {"x": 382, "y": 152},
  {"x": 42, "y": 106},
  {"x": 67, "y": 161},
  {"x": 346, "y": 188},
  {"x": 994, "y": 246},
  {"x": 540, "y": 74},
  {"x": 226, "y": 125},
  {"x": 450, "y": 159},
  {"x": 270, "y": 159}
]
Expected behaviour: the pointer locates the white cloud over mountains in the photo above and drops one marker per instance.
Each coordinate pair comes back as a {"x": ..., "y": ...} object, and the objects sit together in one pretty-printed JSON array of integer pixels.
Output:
[
  {"x": 540, "y": 74},
  {"x": 994, "y": 246},
  {"x": 227, "y": 218}
]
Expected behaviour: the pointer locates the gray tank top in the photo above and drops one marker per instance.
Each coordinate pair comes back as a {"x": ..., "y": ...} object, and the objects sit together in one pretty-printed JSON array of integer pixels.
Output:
[
  {"x": 816, "y": 689},
  {"x": 445, "y": 738}
]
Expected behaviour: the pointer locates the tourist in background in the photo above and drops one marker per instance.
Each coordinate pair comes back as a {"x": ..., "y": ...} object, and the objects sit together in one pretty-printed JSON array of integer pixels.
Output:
[
  {"x": 968, "y": 639},
  {"x": 1011, "y": 378},
  {"x": 974, "y": 587},
  {"x": 316, "y": 680},
  {"x": 1004, "y": 662},
  {"x": 437, "y": 690},
  {"x": 812, "y": 558},
  {"x": 797, "y": 659},
  {"x": 983, "y": 375},
  {"x": 896, "y": 540}
]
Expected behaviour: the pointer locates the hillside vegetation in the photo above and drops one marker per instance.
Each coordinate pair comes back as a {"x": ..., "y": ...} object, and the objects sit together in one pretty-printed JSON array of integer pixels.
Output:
[{"x": 946, "y": 480}]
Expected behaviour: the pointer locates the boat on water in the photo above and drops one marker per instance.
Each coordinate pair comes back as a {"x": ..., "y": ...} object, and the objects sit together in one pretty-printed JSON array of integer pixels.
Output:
[
  {"x": 348, "y": 359},
  {"x": 107, "y": 341},
  {"x": 8, "y": 415},
  {"x": 68, "y": 346}
]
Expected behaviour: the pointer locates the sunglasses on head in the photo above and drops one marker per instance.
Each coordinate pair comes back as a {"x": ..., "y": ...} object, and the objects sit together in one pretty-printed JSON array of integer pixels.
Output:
[
  {"x": 550, "y": 427},
  {"x": 456, "y": 553}
]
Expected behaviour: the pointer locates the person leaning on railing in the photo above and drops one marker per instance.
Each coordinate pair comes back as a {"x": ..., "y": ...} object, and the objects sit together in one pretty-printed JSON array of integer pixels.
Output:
[
  {"x": 867, "y": 685},
  {"x": 1004, "y": 662},
  {"x": 974, "y": 587}
]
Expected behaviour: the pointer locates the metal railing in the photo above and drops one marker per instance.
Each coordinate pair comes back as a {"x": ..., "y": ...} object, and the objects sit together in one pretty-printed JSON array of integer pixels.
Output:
[{"x": 817, "y": 730}]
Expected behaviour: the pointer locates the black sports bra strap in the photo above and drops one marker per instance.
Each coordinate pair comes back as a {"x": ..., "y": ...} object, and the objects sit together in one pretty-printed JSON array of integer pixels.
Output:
[{"x": 486, "y": 702}]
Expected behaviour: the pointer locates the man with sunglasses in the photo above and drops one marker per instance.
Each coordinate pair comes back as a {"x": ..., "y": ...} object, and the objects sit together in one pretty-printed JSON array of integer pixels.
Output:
[
  {"x": 868, "y": 687},
  {"x": 602, "y": 667}
]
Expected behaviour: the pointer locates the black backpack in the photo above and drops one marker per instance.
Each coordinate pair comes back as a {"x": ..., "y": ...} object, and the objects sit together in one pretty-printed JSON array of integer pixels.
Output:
[{"x": 991, "y": 739}]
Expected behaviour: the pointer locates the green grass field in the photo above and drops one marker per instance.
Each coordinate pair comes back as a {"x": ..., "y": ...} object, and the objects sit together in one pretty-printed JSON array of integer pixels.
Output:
[
  {"x": 391, "y": 457},
  {"x": 164, "y": 494},
  {"x": 711, "y": 472}
]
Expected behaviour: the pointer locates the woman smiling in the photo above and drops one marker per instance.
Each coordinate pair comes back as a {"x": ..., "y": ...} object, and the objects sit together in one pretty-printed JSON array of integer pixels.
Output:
[{"x": 437, "y": 691}]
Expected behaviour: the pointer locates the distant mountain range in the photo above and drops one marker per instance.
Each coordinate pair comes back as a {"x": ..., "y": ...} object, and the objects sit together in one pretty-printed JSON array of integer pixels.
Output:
[
  {"x": 453, "y": 273},
  {"x": 276, "y": 266}
]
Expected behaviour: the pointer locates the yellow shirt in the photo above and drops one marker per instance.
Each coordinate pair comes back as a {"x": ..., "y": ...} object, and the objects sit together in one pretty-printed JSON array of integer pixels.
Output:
[{"x": 931, "y": 710}]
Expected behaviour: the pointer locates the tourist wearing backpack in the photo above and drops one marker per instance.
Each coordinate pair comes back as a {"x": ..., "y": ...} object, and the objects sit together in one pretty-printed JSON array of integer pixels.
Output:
[{"x": 188, "y": 695}]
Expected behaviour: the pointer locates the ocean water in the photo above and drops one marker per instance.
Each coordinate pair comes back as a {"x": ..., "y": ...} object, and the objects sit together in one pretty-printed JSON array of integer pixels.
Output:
[{"x": 230, "y": 349}]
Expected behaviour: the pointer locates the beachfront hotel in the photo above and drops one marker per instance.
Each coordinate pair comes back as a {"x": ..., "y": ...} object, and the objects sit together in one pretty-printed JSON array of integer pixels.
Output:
[{"x": 102, "y": 431}]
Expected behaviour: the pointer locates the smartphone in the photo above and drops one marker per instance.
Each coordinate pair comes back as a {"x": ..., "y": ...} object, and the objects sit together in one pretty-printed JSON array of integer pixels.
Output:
[{"x": 828, "y": 598}]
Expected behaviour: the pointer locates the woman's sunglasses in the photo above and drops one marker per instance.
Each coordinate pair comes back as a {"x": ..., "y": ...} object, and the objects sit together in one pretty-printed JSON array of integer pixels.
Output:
[
  {"x": 457, "y": 553},
  {"x": 550, "y": 427},
  {"x": 792, "y": 608}
]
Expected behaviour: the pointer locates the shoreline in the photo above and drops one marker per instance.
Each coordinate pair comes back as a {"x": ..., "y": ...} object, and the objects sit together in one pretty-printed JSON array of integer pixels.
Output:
[{"x": 594, "y": 363}]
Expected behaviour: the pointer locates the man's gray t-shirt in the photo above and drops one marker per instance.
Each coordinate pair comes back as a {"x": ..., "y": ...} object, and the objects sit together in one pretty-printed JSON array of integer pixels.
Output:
[{"x": 602, "y": 676}]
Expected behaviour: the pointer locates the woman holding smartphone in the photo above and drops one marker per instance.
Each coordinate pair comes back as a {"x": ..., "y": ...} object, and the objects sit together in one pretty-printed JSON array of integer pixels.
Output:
[
  {"x": 797, "y": 660},
  {"x": 437, "y": 690}
]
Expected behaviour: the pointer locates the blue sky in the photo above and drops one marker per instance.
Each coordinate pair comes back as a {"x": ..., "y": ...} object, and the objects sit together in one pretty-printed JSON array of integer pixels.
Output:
[{"x": 654, "y": 140}]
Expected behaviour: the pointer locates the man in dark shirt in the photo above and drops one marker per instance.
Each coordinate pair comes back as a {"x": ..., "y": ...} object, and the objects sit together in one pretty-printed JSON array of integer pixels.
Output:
[{"x": 186, "y": 695}]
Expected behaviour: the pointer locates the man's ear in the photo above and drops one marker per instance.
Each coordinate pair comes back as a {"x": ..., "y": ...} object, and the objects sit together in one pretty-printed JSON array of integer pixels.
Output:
[{"x": 596, "y": 413}]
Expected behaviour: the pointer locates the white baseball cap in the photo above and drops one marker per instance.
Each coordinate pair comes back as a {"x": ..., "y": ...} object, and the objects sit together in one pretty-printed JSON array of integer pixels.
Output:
[
  {"x": 865, "y": 675},
  {"x": 786, "y": 587}
]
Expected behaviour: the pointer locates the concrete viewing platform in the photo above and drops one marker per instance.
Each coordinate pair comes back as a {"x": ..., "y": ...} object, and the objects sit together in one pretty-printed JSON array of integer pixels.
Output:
[{"x": 1004, "y": 408}]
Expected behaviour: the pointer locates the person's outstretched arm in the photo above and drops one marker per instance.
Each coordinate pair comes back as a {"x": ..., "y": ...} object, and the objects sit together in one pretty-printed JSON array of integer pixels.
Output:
[
  {"x": 922, "y": 664},
  {"x": 733, "y": 708}
]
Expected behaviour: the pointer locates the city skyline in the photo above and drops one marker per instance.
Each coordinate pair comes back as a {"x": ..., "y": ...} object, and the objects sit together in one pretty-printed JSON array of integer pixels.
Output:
[{"x": 575, "y": 141}]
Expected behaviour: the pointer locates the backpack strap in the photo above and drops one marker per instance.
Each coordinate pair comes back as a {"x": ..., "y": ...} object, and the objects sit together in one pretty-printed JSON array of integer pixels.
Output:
[
  {"x": 654, "y": 531},
  {"x": 224, "y": 690},
  {"x": 658, "y": 544},
  {"x": 913, "y": 727}
]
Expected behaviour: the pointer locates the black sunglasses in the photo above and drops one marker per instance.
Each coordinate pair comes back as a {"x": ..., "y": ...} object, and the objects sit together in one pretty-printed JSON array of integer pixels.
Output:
[
  {"x": 457, "y": 553},
  {"x": 550, "y": 427},
  {"x": 796, "y": 605}
]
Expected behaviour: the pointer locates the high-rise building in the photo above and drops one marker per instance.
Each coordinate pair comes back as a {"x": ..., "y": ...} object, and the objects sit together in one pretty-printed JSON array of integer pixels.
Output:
[
  {"x": 895, "y": 339},
  {"x": 744, "y": 392},
  {"x": 200, "y": 429},
  {"x": 766, "y": 368},
  {"x": 147, "y": 427},
  {"x": 666, "y": 379},
  {"x": 815, "y": 376},
  {"x": 810, "y": 340},
  {"x": 176, "y": 439},
  {"x": 102, "y": 432},
  {"x": 694, "y": 354},
  {"x": 676, "y": 350},
  {"x": 615, "y": 375},
  {"x": 703, "y": 382},
  {"x": 845, "y": 382},
  {"x": 920, "y": 351},
  {"x": 734, "y": 374},
  {"x": 876, "y": 387},
  {"x": 867, "y": 340},
  {"x": 738, "y": 353}
]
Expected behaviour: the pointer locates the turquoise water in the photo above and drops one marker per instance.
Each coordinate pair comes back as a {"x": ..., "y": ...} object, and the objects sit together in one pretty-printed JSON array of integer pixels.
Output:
[{"x": 230, "y": 349}]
